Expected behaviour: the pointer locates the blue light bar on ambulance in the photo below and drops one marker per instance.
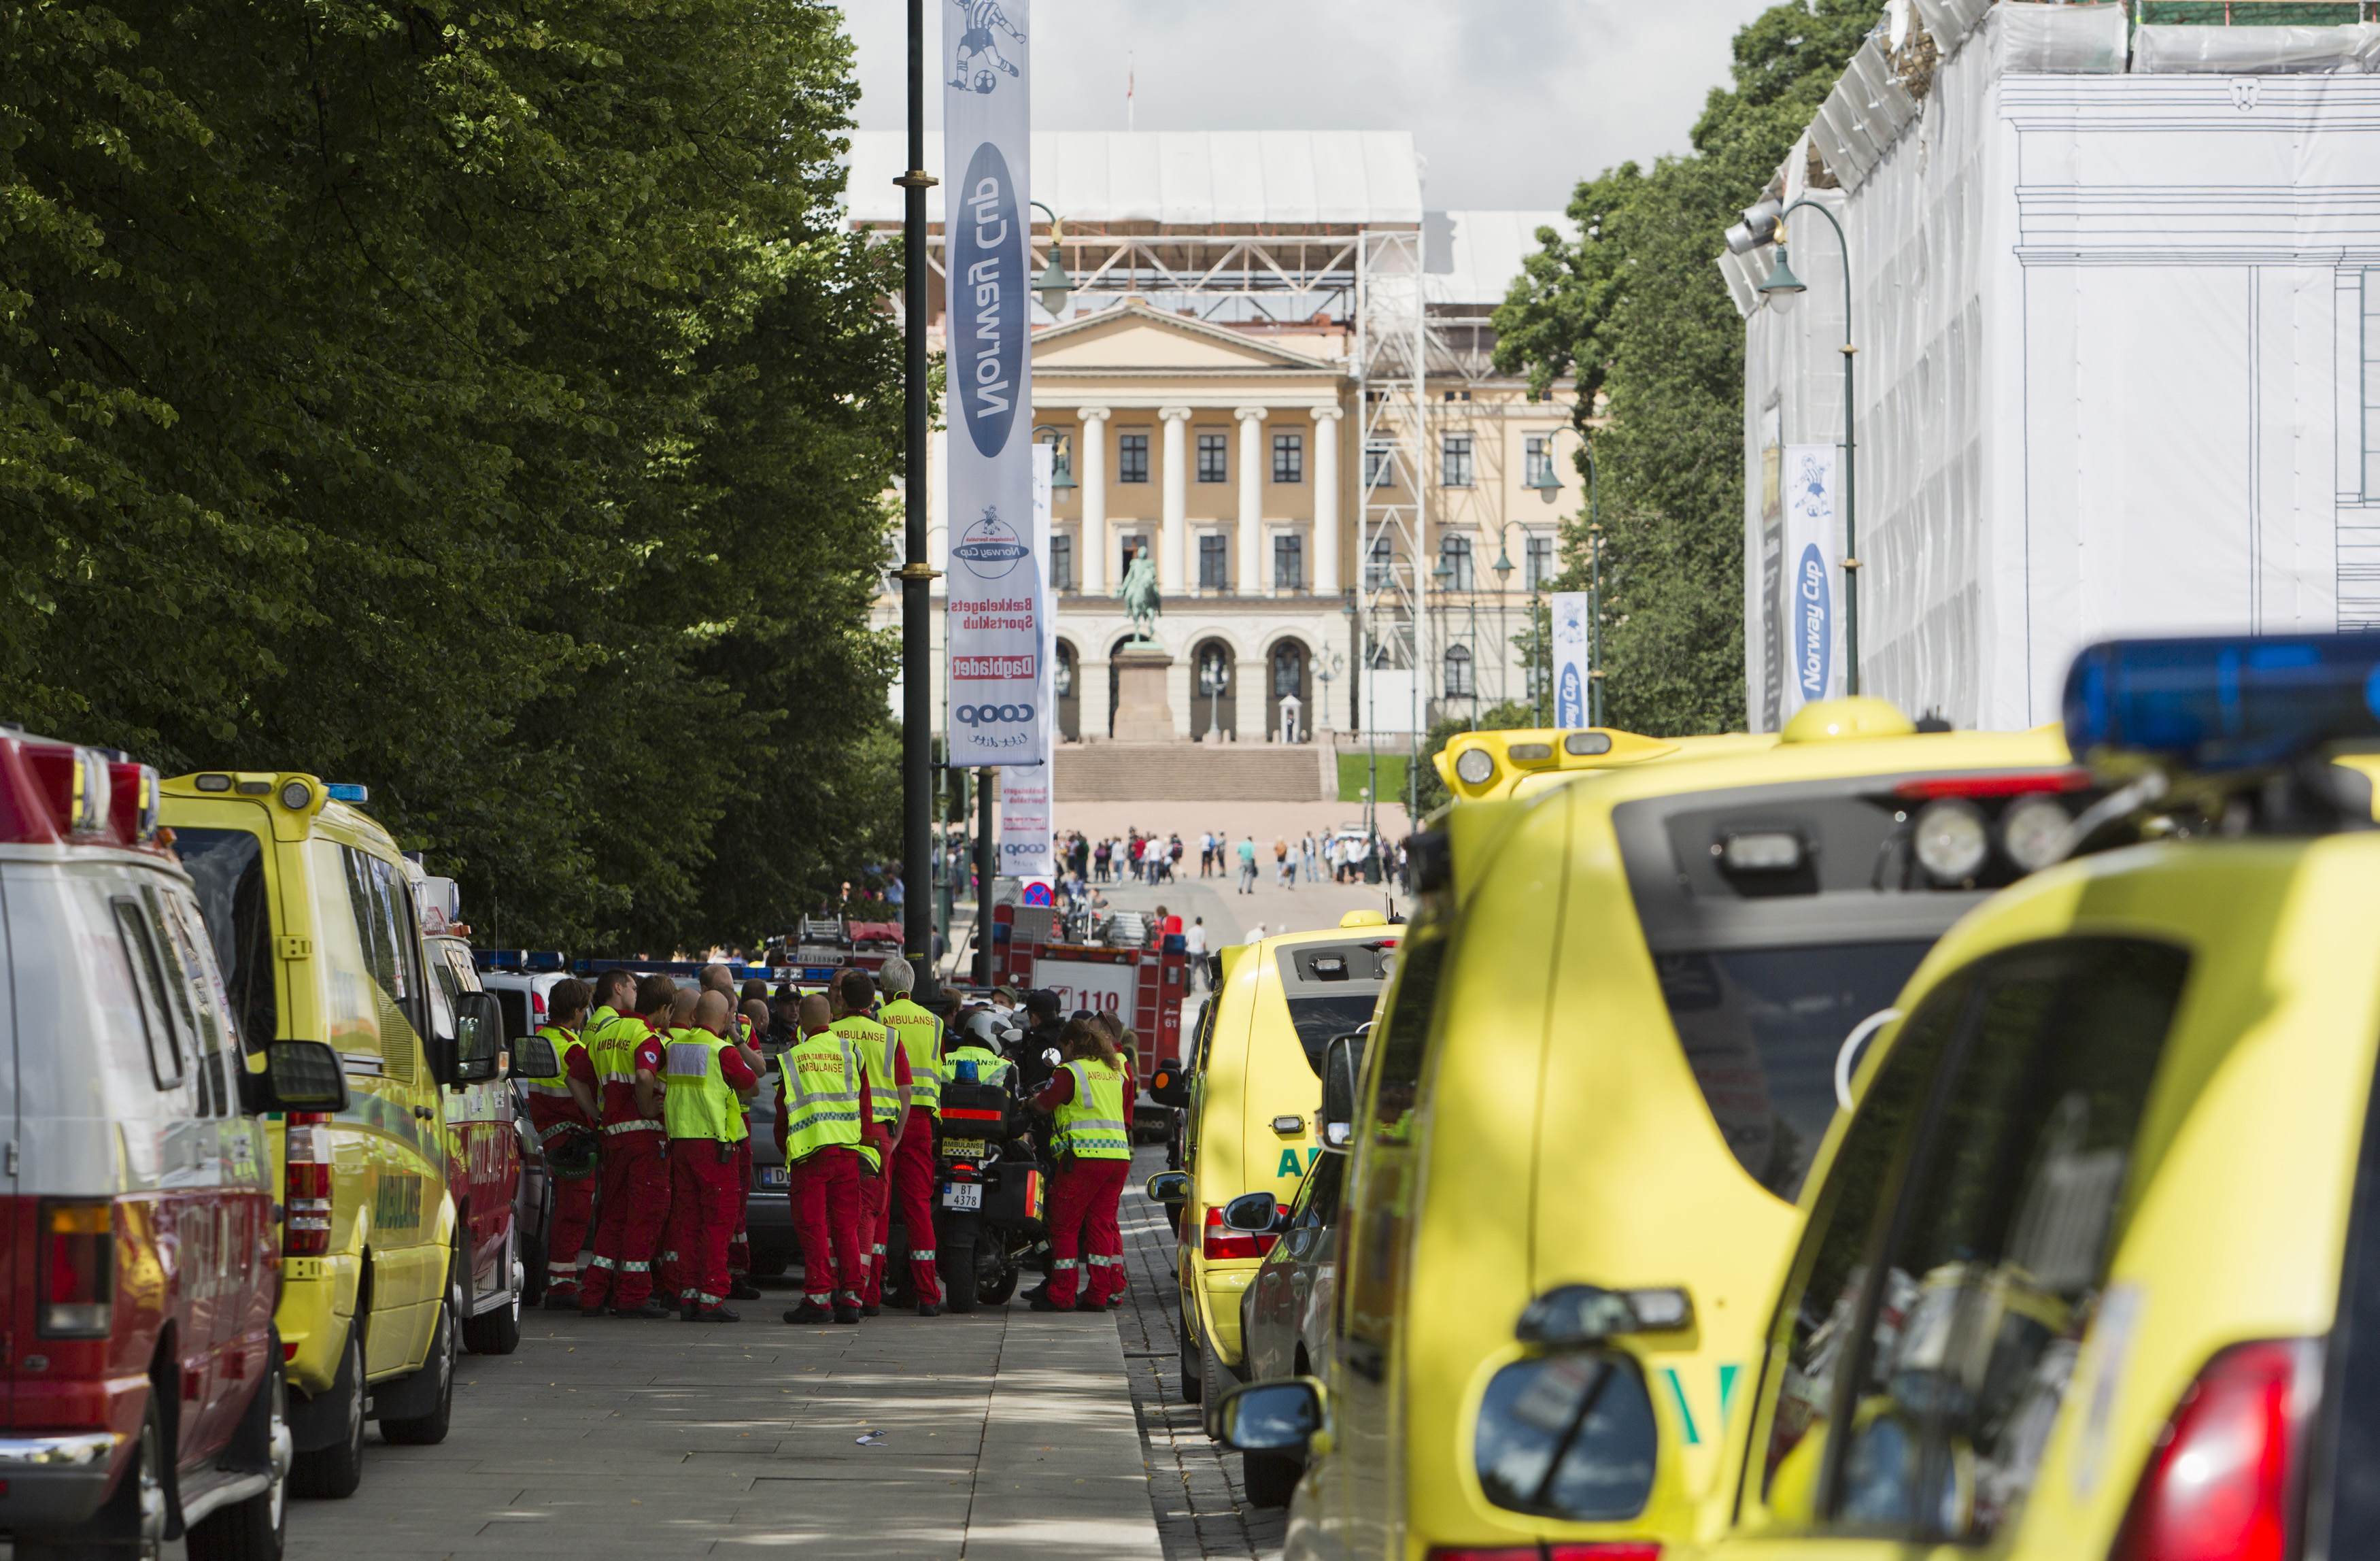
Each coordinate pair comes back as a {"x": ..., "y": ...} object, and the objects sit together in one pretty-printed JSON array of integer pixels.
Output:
[
  {"x": 2224, "y": 702},
  {"x": 538, "y": 961},
  {"x": 348, "y": 792}
]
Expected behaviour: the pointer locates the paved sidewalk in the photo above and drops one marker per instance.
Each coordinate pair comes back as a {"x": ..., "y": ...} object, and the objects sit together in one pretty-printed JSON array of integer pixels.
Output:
[
  {"x": 1005, "y": 1434},
  {"x": 1202, "y": 1509}
]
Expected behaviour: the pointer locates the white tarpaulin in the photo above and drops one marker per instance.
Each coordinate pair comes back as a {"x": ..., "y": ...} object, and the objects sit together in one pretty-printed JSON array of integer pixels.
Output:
[
  {"x": 1026, "y": 844},
  {"x": 1570, "y": 658},
  {"x": 998, "y": 615},
  {"x": 2114, "y": 371}
]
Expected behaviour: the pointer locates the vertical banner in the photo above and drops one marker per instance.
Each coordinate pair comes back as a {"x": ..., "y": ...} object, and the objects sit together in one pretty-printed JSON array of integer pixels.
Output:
[
  {"x": 1811, "y": 533},
  {"x": 997, "y": 606},
  {"x": 1772, "y": 626},
  {"x": 1024, "y": 784},
  {"x": 1570, "y": 658}
]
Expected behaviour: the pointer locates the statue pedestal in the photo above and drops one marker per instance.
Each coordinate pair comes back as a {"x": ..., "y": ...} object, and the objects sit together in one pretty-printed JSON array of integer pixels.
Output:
[{"x": 1142, "y": 714}]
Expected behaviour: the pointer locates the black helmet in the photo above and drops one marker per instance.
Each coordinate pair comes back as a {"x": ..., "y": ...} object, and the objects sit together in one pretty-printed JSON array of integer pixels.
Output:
[{"x": 572, "y": 1154}]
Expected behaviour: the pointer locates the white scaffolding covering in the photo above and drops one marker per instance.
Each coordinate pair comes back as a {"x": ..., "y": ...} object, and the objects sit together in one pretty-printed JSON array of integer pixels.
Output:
[
  {"x": 2114, "y": 368},
  {"x": 1391, "y": 374}
]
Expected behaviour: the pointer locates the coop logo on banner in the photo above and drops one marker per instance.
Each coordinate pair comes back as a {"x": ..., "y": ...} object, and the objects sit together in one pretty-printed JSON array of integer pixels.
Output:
[
  {"x": 1570, "y": 658},
  {"x": 1026, "y": 850},
  {"x": 1811, "y": 626},
  {"x": 998, "y": 602}
]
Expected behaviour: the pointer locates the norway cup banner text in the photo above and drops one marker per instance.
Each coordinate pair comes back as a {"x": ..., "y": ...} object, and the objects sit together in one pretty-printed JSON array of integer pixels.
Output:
[
  {"x": 1570, "y": 658},
  {"x": 1024, "y": 841},
  {"x": 998, "y": 625}
]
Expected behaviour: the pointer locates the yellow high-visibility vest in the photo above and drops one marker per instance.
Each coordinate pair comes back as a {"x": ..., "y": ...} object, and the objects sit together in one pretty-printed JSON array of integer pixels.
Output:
[
  {"x": 696, "y": 1100},
  {"x": 818, "y": 1080},
  {"x": 1092, "y": 1125},
  {"x": 920, "y": 1033},
  {"x": 873, "y": 1043}
]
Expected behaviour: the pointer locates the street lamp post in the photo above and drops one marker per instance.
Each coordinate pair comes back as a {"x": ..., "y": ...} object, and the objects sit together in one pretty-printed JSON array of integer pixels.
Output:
[
  {"x": 1053, "y": 286},
  {"x": 916, "y": 572},
  {"x": 1781, "y": 288},
  {"x": 1214, "y": 676}
]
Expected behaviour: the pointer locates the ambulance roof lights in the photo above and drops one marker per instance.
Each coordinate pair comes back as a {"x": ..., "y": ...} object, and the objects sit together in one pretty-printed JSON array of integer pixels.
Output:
[
  {"x": 1474, "y": 766},
  {"x": 1587, "y": 744},
  {"x": 2223, "y": 703},
  {"x": 348, "y": 792},
  {"x": 55, "y": 793}
]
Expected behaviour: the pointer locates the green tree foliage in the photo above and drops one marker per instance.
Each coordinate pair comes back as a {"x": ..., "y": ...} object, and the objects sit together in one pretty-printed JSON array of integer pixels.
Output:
[
  {"x": 1636, "y": 310},
  {"x": 477, "y": 402}
]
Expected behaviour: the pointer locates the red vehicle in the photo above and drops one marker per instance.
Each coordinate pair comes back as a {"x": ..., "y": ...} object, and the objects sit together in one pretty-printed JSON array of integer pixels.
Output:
[
  {"x": 483, "y": 1135},
  {"x": 140, "y": 1393}
]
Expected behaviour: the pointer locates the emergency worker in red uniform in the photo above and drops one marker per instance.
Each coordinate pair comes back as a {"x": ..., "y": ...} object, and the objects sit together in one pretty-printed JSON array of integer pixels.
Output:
[
  {"x": 705, "y": 1076},
  {"x": 887, "y": 1091},
  {"x": 741, "y": 1029},
  {"x": 1093, "y": 1140},
  {"x": 917, "y": 1032},
  {"x": 822, "y": 1120},
  {"x": 636, "y": 1171},
  {"x": 563, "y": 1107}
]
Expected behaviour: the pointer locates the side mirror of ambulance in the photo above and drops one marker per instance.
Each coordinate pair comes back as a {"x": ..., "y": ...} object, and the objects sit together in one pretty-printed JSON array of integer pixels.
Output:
[
  {"x": 1581, "y": 1316},
  {"x": 1341, "y": 1060},
  {"x": 1168, "y": 1086},
  {"x": 533, "y": 1058},
  {"x": 1276, "y": 1417},
  {"x": 1169, "y": 1187},
  {"x": 298, "y": 1076},
  {"x": 1253, "y": 1214},
  {"x": 478, "y": 1037}
]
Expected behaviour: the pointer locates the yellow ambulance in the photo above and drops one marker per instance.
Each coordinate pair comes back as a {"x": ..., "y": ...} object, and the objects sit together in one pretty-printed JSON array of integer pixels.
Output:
[
  {"x": 312, "y": 916},
  {"x": 1621, "y": 1025}
]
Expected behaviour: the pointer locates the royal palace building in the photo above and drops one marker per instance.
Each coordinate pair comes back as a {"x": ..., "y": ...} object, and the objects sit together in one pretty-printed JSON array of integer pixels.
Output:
[{"x": 1271, "y": 370}]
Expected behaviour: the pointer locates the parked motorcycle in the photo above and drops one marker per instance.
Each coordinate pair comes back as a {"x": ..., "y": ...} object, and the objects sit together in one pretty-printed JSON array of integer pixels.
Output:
[{"x": 990, "y": 1212}]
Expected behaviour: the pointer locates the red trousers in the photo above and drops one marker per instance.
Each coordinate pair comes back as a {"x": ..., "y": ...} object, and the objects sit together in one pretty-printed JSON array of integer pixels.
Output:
[
  {"x": 739, "y": 1246},
  {"x": 704, "y": 1195},
  {"x": 916, "y": 1176},
  {"x": 629, "y": 1226},
  {"x": 875, "y": 1220},
  {"x": 574, "y": 1212},
  {"x": 1083, "y": 1231},
  {"x": 825, "y": 1189}
]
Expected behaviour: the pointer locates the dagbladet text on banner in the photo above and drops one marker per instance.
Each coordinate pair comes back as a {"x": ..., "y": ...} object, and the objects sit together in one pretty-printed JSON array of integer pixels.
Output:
[
  {"x": 997, "y": 624},
  {"x": 1024, "y": 840}
]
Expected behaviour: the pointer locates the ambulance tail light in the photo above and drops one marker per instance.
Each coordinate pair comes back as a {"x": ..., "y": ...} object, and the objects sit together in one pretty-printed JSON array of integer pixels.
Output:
[
  {"x": 1218, "y": 1242},
  {"x": 2220, "y": 1477},
  {"x": 306, "y": 1184},
  {"x": 77, "y": 1270},
  {"x": 132, "y": 808}
]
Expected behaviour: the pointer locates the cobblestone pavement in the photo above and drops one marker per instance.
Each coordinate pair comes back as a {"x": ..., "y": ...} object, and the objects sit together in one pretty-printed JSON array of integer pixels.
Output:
[{"x": 1194, "y": 1483}]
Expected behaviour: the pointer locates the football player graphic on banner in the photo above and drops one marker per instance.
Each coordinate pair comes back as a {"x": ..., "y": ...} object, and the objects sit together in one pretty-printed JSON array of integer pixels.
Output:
[{"x": 979, "y": 53}]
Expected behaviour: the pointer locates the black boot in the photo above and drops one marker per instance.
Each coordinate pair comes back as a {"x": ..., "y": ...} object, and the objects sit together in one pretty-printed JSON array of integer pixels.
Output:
[
  {"x": 650, "y": 1309},
  {"x": 847, "y": 1307},
  {"x": 809, "y": 1311},
  {"x": 710, "y": 1315},
  {"x": 743, "y": 1289}
]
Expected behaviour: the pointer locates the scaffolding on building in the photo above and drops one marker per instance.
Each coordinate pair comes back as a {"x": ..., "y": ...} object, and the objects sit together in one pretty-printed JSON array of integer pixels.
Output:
[{"x": 1391, "y": 363}]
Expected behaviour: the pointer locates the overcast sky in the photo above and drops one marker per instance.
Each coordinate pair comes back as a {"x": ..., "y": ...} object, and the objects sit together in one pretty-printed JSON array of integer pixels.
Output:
[{"x": 1511, "y": 101}]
